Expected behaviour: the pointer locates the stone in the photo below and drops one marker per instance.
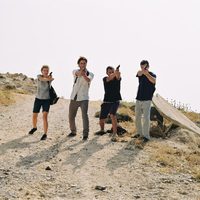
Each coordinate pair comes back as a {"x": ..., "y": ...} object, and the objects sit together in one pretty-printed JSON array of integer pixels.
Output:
[
  {"x": 48, "y": 168},
  {"x": 102, "y": 188}
]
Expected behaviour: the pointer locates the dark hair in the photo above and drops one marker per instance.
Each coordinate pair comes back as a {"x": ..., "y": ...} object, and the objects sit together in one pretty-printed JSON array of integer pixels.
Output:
[
  {"x": 80, "y": 59},
  {"x": 144, "y": 62},
  {"x": 44, "y": 67},
  {"x": 109, "y": 67}
]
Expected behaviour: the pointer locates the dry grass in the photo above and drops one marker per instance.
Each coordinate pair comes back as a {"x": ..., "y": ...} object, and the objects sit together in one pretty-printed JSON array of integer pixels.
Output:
[
  {"x": 166, "y": 156},
  {"x": 126, "y": 111},
  {"x": 197, "y": 175},
  {"x": 6, "y": 97},
  {"x": 195, "y": 117},
  {"x": 172, "y": 159}
]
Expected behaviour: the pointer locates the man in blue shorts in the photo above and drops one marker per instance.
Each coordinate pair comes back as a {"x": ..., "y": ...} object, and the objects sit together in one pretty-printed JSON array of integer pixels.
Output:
[{"x": 112, "y": 97}]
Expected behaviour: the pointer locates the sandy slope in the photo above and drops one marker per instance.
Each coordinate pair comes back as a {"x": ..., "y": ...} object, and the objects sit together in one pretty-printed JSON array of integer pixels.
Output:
[{"x": 76, "y": 166}]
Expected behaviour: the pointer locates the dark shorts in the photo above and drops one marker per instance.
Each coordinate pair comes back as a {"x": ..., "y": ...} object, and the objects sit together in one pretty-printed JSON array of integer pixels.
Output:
[
  {"x": 108, "y": 108},
  {"x": 44, "y": 103}
]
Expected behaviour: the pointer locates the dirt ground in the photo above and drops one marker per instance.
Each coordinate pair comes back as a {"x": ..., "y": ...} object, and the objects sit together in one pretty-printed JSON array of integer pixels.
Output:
[{"x": 68, "y": 168}]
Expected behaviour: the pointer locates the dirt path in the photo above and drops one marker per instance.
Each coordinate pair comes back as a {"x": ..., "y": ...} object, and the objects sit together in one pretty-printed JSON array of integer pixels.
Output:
[{"x": 77, "y": 167}]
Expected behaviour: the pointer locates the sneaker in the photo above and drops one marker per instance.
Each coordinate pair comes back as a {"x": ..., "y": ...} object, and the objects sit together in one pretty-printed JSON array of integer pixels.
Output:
[
  {"x": 145, "y": 140},
  {"x": 32, "y": 131},
  {"x": 114, "y": 138},
  {"x": 101, "y": 132},
  {"x": 44, "y": 137},
  {"x": 136, "y": 136},
  {"x": 85, "y": 138},
  {"x": 72, "y": 135}
]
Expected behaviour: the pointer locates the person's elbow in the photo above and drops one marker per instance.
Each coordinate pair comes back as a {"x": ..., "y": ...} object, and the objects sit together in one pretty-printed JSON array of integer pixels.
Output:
[{"x": 153, "y": 81}]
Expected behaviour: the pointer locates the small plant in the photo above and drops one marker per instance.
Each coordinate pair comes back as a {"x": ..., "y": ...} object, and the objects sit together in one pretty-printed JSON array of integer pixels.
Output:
[{"x": 6, "y": 97}]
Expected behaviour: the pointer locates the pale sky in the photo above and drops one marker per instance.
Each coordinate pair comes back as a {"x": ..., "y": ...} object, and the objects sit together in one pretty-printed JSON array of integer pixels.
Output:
[{"x": 107, "y": 32}]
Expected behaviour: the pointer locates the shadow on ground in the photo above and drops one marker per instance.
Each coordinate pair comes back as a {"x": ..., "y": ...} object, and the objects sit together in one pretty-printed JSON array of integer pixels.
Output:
[
  {"x": 79, "y": 158},
  {"x": 41, "y": 156},
  {"x": 15, "y": 144}
]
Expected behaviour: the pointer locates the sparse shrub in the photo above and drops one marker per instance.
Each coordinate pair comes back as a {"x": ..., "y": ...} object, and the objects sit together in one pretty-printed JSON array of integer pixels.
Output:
[
  {"x": 132, "y": 108},
  {"x": 194, "y": 158},
  {"x": 157, "y": 132},
  {"x": 6, "y": 97},
  {"x": 97, "y": 114},
  {"x": 9, "y": 87}
]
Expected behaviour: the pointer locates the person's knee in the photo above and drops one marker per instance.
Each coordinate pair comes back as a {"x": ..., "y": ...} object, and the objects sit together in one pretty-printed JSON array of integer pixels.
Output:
[
  {"x": 112, "y": 116},
  {"x": 101, "y": 121},
  {"x": 35, "y": 115},
  {"x": 45, "y": 115}
]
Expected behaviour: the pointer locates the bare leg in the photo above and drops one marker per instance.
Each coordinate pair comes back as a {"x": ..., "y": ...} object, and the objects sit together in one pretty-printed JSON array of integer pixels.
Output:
[
  {"x": 102, "y": 124},
  {"x": 34, "y": 120},
  {"x": 45, "y": 121},
  {"x": 114, "y": 123}
]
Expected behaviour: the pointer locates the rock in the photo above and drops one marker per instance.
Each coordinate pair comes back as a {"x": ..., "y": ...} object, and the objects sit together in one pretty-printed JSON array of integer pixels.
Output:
[
  {"x": 164, "y": 180},
  {"x": 6, "y": 173},
  {"x": 78, "y": 191},
  {"x": 48, "y": 168},
  {"x": 98, "y": 187},
  {"x": 70, "y": 148},
  {"x": 1, "y": 76},
  {"x": 137, "y": 196},
  {"x": 72, "y": 186},
  {"x": 27, "y": 193},
  {"x": 182, "y": 192}
]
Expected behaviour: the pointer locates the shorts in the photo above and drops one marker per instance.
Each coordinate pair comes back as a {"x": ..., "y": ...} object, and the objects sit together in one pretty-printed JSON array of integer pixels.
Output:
[
  {"x": 108, "y": 108},
  {"x": 44, "y": 103}
]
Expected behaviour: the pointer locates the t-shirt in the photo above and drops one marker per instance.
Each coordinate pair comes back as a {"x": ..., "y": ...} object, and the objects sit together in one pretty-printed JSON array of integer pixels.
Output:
[
  {"x": 145, "y": 88},
  {"x": 42, "y": 89},
  {"x": 112, "y": 90}
]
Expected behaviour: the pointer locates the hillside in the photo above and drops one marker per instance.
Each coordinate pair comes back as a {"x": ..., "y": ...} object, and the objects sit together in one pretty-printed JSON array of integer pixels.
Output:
[
  {"x": 15, "y": 83},
  {"x": 67, "y": 168}
]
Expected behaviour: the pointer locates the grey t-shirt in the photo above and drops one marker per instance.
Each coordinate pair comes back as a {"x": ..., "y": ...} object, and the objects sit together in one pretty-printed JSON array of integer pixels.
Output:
[{"x": 42, "y": 89}]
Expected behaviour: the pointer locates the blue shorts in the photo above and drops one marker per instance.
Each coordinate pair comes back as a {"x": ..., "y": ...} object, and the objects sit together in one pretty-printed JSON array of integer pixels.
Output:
[
  {"x": 44, "y": 103},
  {"x": 108, "y": 108}
]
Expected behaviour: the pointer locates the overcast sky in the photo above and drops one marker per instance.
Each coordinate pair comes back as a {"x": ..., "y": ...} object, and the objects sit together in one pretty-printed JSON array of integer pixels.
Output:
[{"x": 107, "y": 32}]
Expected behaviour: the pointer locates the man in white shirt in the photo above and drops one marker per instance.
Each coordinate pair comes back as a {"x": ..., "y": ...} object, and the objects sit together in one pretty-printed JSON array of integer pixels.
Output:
[{"x": 80, "y": 97}]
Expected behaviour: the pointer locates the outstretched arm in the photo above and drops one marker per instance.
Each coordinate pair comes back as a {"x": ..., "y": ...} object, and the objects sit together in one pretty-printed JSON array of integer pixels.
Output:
[
  {"x": 49, "y": 78},
  {"x": 116, "y": 75}
]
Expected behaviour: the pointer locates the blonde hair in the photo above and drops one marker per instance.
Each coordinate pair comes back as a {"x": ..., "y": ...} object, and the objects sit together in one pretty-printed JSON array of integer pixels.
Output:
[{"x": 45, "y": 66}]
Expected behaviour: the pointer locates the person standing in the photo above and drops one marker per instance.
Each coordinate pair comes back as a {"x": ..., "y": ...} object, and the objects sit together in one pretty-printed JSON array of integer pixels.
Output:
[
  {"x": 111, "y": 101},
  {"x": 80, "y": 98},
  {"x": 42, "y": 100},
  {"x": 146, "y": 89}
]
